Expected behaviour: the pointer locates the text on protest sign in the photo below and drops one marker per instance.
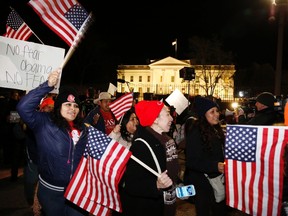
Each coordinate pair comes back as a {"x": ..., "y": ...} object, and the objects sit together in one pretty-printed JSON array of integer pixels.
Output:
[{"x": 25, "y": 65}]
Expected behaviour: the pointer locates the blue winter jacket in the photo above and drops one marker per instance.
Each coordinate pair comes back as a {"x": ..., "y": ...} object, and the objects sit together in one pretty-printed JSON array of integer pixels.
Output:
[{"x": 57, "y": 156}]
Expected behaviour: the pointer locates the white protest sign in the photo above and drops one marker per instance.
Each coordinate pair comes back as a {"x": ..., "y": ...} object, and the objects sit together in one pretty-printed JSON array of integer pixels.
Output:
[
  {"x": 25, "y": 65},
  {"x": 178, "y": 100},
  {"x": 112, "y": 89}
]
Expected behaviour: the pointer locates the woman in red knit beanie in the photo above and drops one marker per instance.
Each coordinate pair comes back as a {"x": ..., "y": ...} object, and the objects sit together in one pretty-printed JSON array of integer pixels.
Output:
[{"x": 145, "y": 193}]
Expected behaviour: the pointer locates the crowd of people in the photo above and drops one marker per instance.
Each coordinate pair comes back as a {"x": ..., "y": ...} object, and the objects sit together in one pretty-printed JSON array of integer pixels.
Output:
[{"x": 56, "y": 136}]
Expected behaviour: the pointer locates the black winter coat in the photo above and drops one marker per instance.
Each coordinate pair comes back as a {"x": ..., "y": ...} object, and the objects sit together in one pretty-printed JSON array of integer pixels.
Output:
[
  {"x": 200, "y": 160},
  {"x": 140, "y": 195},
  {"x": 264, "y": 117}
]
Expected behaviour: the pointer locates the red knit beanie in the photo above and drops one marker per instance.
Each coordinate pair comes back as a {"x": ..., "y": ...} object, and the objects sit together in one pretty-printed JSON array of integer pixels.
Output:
[{"x": 148, "y": 111}]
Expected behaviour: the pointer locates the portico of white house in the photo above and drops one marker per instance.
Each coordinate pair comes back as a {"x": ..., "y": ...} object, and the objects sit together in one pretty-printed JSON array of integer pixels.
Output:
[{"x": 162, "y": 77}]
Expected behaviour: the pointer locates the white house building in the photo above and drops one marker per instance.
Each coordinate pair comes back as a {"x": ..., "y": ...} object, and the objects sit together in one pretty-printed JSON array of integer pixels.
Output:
[{"x": 161, "y": 77}]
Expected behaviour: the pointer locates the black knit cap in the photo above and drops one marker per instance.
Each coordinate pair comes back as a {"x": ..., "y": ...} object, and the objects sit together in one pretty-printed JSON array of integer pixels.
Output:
[
  {"x": 266, "y": 98},
  {"x": 202, "y": 105},
  {"x": 66, "y": 94}
]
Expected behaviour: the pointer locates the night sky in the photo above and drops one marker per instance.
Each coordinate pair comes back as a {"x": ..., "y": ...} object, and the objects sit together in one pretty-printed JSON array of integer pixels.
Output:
[{"x": 137, "y": 32}]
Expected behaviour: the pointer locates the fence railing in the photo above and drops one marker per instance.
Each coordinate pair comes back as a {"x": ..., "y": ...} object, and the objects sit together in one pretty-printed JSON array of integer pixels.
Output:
[{"x": 150, "y": 90}]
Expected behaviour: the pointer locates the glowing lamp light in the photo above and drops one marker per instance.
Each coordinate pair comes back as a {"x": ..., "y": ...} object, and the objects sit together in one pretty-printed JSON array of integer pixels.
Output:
[
  {"x": 241, "y": 93},
  {"x": 234, "y": 105}
]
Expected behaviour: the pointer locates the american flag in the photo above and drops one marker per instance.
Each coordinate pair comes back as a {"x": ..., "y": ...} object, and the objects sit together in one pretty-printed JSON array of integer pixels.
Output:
[
  {"x": 94, "y": 186},
  {"x": 64, "y": 17},
  {"x": 16, "y": 28},
  {"x": 254, "y": 168},
  {"x": 121, "y": 105}
]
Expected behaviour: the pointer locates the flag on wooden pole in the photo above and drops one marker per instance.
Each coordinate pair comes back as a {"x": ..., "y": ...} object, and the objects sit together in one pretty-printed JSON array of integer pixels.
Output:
[
  {"x": 79, "y": 37},
  {"x": 121, "y": 105},
  {"x": 16, "y": 28},
  {"x": 94, "y": 186},
  {"x": 64, "y": 17}
]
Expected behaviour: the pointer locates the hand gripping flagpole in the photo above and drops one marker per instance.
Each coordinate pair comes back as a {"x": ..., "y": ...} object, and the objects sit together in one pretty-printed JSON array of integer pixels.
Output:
[{"x": 80, "y": 35}]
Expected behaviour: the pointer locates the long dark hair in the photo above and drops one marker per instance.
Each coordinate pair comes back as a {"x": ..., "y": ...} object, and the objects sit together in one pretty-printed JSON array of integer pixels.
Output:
[
  {"x": 209, "y": 132},
  {"x": 123, "y": 130},
  {"x": 61, "y": 122}
]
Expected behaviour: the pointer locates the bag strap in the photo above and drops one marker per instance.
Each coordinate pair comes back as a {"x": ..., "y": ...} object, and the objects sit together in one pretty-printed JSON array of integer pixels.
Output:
[{"x": 153, "y": 154}]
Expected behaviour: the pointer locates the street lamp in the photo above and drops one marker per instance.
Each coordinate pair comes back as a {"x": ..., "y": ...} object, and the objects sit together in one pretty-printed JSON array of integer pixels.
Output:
[{"x": 282, "y": 8}]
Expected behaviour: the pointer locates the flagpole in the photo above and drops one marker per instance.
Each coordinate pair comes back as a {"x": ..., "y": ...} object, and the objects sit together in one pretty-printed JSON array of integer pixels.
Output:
[
  {"x": 174, "y": 43},
  {"x": 176, "y": 48},
  {"x": 37, "y": 36},
  {"x": 145, "y": 166},
  {"x": 121, "y": 119},
  {"x": 77, "y": 39}
]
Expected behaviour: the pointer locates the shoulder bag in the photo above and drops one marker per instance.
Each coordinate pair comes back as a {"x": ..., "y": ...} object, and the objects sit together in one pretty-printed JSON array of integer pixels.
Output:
[{"x": 218, "y": 185}]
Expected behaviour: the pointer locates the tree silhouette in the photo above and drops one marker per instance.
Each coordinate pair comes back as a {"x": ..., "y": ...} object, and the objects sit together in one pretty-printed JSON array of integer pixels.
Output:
[{"x": 212, "y": 61}]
